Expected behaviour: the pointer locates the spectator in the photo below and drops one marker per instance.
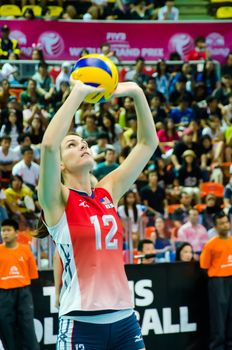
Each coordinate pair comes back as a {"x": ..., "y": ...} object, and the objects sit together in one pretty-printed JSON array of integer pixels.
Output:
[
  {"x": 114, "y": 131},
  {"x": 7, "y": 158},
  {"x": 25, "y": 140},
  {"x": 3, "y": 210},
  {"x": 70, "y": 13},
  {"x": 146, "y": 247},
  {"x": 184, "y": 252},
  {"x": 132, "y": 128},
  {"x": 216, "y": 259},
  {"x": 224, "y": 92},
  {"x": 7, "y": 45},
  {"x": 190, "y": 175},
  {"x": 168, "y": 12},
  {"x": 29, "y": 14},
  {"x": 98, "y": 150},
  {"x": 181, "y": 214},
  {"x": 64, "y": 75},
  {"x": 183, "y": 145},
  {"x": 162, "y": 241},
  {"x": 31, "y": 95},
  {"x": 227, "y": 67},
  {"x": 108, "y": 165},
  {"x": 106, "y": 51},
  {"x": 37, "y": 53},
  {"x": 162, "y": 78},
  {"x": 208, "y": 76},
  {"x": 228, "y": 192},
  {"x": 180, "y": 91},
  {"x": 193, "y": 232},
  {"x": 89, "y": 131},
  {"x": 156, "y": 105},
  {"x": 200, "y": 51},
  {"x": 16, "y": 302},
  {"x": 183, "y": 114},
  {"x": 153, "y": 195},
  {"x": 61, "y": 95},
  {"x": 140, "y": 10},
  {"x": 13, "y": 127},
  {"x": 44, "y": 82},
  {"x": 227, "y": 111},
  {"x": 15, "y": 196},
  {"x": 133, "y": 211},
  {"x": 137, "y": 74},
  {"x": 211, "y": 209},
  {"x": 126, "y": 111},
  {"x": 167, "y": 137},
  {"x": 27, "y": 169},
  {"x": 165, "y": 174}
]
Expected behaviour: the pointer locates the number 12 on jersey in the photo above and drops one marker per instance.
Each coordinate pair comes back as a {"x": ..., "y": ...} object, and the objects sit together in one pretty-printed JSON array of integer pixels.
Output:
[{"x": 110, "y": 241}]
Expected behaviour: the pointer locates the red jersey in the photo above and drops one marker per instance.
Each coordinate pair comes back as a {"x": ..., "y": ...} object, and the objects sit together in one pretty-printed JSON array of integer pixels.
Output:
[{"x": 89, "y": 240}]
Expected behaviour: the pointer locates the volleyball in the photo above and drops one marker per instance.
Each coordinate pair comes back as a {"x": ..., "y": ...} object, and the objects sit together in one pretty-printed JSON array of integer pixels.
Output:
[{"x": 98, "y": 71}]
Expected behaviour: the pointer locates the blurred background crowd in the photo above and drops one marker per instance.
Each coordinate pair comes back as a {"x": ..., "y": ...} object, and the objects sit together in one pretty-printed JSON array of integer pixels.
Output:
[{"x": 188, "y": 179}]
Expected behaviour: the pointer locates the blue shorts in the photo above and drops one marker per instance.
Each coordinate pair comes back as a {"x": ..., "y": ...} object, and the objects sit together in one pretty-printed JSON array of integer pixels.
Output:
[{"x": 121, "y": 335}]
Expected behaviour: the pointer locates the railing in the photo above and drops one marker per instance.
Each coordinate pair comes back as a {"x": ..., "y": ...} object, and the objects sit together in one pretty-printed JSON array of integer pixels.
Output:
[
  {"x": 27, "y": 68},
  {"x": 43, "y": 249}
]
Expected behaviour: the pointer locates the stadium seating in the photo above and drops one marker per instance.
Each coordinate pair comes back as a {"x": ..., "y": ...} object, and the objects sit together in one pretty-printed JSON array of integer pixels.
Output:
[
  {"x": 211, "y": 187},
  {"x": 224, "y": 12},
  {"x": 55, "y": 11},
  {"x": 36, "y": 9},
  {"x": 10, "y": 10}
]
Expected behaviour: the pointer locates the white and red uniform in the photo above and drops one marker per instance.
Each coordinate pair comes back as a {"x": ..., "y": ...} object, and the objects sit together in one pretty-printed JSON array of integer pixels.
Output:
[{"x": 89, "y": 240}]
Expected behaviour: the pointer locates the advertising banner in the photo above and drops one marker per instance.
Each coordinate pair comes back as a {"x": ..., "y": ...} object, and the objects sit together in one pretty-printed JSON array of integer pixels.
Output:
[
  {"x": 153, "y": 40},
  {"x": 170, "y": 302}
]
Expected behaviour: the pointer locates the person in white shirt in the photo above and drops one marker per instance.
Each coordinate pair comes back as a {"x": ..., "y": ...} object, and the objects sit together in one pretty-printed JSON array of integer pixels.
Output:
[
  {"x": 27, "y": 169},
  {"x": 64, "y": 75},
  {"x": 7, "y": 157},
  {"x": 168, "y": 12}
]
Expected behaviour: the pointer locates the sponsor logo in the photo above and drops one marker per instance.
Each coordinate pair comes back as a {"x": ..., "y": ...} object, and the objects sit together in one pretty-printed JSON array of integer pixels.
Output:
[
  {"x": 216, "y": 45},
  {"x": 138, "y": 338},
  {"x": 83, "y": 204},
  {"x": 182, "y": 43},
  {"x": 19, "y": 36},
  {"x": 106, "y": 202},
  {"x": 52, "y": 44},
  {"x": 14, "y": 270}
]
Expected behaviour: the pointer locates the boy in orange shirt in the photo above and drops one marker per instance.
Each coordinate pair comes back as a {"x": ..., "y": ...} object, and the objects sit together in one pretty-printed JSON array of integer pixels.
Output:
[
  {"x": 17, "y": 268},
  {"x": 216, "y": 257}
]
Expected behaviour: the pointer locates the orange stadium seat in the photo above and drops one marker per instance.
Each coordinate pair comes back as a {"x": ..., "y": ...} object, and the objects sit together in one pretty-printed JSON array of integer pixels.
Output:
[
  {"x": 211, "y": 187},
  {"x": 172, "y": 208},
  {"x": 10, "y": 10},
  {"x": 16, "y": 92},
  {"x": 200, "y": 207},
  {"x": 35, "y": 8},
  {"x": 148, "y": 231}
]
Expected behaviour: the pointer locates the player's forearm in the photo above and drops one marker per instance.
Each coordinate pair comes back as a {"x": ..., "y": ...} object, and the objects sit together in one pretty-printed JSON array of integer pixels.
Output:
[
  {"x": 60, "y": 124},
  {"x": 146, "y": 133}
]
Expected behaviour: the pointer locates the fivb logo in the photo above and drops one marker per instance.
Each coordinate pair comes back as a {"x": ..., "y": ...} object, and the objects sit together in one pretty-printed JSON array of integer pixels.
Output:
[
  {"x": 181, "y": 43},
  {"x": 52, "y": 43},
  {"x": 112, "y": 36},
  {"x": 79, "y": 347}
]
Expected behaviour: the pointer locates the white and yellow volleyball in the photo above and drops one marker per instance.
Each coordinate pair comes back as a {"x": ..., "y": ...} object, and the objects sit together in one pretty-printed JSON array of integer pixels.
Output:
[{"x": 98, "y": 71}]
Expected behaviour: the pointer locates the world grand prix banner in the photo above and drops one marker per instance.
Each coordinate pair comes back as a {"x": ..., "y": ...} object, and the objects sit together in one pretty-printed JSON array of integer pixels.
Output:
[
  {"x": 153, "y": 40},
  {"x": 170, "y": 302}
]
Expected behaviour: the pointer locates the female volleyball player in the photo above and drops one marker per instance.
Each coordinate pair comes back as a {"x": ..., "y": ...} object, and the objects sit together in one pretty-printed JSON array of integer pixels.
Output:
[{"x": 95, "y": 303}]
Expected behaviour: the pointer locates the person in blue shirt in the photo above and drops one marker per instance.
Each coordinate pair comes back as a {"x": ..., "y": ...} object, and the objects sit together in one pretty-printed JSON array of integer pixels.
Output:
[{"x": 182, "y": 114}]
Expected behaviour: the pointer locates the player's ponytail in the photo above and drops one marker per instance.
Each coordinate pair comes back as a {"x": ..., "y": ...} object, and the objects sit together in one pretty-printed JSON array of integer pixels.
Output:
[{"x": 41, "y": 230}]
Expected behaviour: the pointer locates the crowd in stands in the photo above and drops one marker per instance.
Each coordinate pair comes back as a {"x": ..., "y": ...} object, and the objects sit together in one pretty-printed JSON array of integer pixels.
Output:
[
  {"x": 96, "y": 10},
  {"x": 188, "y": 179}
]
